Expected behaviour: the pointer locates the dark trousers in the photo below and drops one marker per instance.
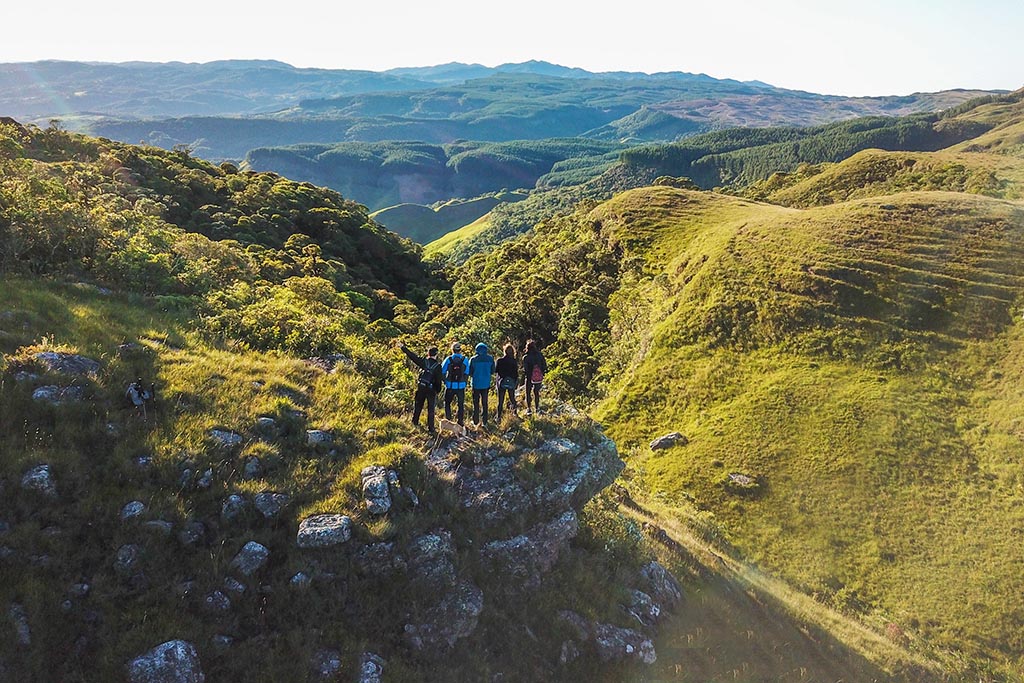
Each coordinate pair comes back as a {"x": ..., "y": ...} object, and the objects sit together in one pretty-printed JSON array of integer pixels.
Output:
[
  {"x": 429, "y": 396},
  {"x": 480, "y": 396},
  {"x": 511, "y": 394},
  {"x": 535, "y": 390},
  {"x": 460, "y": 396}
]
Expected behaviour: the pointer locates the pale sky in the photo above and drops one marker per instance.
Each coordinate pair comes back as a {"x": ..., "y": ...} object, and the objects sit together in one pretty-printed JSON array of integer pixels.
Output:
[{"x": 867, "y": 47}]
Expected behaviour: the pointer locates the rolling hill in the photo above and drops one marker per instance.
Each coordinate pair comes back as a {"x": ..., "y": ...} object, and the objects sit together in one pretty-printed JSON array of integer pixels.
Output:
[{"x": 843, "y": 369}]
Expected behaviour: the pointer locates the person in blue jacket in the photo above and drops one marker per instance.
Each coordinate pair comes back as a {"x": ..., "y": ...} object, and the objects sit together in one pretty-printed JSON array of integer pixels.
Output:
[
  {"x": 481, "y": 369},
  {"x": 454, "y": 369}
]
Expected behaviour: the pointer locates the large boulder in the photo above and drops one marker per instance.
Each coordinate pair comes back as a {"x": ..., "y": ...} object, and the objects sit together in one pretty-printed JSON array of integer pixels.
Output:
[
  {"x": 251, "y": 558},
  {"x": 526, "y": 558},
  {"x": 454, "y": 617},
  {"x": 175, "y": 661},
  {"x": 67, "y": 363},
  {"x": 322, "y": 531}
]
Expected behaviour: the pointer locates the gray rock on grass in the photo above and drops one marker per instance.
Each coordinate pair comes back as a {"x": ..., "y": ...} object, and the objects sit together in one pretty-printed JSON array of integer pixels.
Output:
[
  {"x": 376, "y": 489},
  {"x": 270, "y": 503},
  {"x": 55, "y": 395},
  {"x": 668, "y": 441},
  {"x": 326, "y": 664},
  {"x": 371, "y": 668},
  {"x": 251, "y": 558},
  {"x": 68, "y": 363},
  {"x": 40, "y": 480},
  {"x": 175, "y": 661},
  {"x": 323, "y": 531}
]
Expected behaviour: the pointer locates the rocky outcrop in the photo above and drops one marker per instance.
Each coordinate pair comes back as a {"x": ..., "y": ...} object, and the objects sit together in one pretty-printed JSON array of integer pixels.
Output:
[
  {"x": 524, "y": 559},
  {"x": 175, "y": 661},
  {"x": 323, "y": 531},
  {"x": 659, "y": 583},
  {"x": 488, "y": 486},
  {"x": 447, "y": 622},
  {"x": 611, "y": 643}
]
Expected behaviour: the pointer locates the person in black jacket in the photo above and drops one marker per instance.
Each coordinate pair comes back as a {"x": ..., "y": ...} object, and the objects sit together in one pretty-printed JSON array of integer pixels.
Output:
[
  {"x": 428, "y": 384},
  {"x": 508, "y": 379},
  {"x": 534, "y": 367}
]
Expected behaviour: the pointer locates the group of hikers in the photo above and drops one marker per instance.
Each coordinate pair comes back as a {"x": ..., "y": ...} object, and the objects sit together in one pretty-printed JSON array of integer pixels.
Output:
[{"x": 456, "y": 373}]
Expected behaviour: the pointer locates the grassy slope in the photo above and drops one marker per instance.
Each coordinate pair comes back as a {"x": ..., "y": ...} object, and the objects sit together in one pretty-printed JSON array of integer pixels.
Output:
[
  {"x": 446, "y": 243},
  {"x": 424, "y": 224},
  {"x": 854, "y": 356}
]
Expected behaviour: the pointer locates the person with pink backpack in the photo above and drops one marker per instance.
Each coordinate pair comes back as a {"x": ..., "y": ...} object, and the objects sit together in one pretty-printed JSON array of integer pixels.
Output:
[{"x": 534, "y": 367}]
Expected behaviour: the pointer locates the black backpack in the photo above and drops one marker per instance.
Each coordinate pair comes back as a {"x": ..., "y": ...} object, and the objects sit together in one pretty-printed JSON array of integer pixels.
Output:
[
  {"x": 427, "y": 375},
  {"x": 457, "y": 370}
]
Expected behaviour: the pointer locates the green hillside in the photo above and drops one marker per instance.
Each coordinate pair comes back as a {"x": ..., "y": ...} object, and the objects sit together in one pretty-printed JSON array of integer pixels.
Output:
[
  {"x": 424, "y": 224},
  {"x": 843, "y": 373},
  {"x": 389, "y": 173},
  {"x": 264, "y": 313}
]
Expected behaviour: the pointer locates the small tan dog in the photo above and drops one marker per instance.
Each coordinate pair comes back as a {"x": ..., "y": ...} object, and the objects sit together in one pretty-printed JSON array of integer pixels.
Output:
[{"x": 452, "y": 427}]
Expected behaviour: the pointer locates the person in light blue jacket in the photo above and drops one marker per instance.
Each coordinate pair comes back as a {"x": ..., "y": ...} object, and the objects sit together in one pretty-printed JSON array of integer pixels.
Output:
[
  {"x": 481, "y": 369},
  {"x": 454, "y": 371}
]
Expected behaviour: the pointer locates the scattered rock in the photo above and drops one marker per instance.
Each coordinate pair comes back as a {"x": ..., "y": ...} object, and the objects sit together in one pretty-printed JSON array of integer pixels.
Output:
[
  {"x": 225, "y": 438},
  {"x": 222, "y": 643},
  {"x": 67, "y": 363},
  {"x": 371, "y": 668},
  {"x": 251, "y": 558},
  {"x": 80, "y": 590},
  {"x": 143, "y": 462},
  {"x": 266, "y": 425},
  {"x": 742, "y": 484},
  {"x": 253, "y": 468},
  {"x": 128, "y": 349},
  {"x": 132, "y": 510},
  {"x": 55, "y": 395},
  {"x": 25, "y": 376},
  {"x": 615, "y": 644},
  {"x": 411, "y": 496},
  {"x": 380, "y": 559},
  {"x": 318, "y": 437},
  {"x": 301, "y": 580},
  {"x": 322, "y": 531},
  {"x": 234, "y": 586},
  {"x": 217, "y": 603},
  {"x": 19, "y": 619},
  {"x": 668, "y": 441},
  {"x": 660, "y": 584},
  {"x": 643, "y": 608},
  {"x": 185, "y": 480},
  {"x": 175, "y": 661},
  {"x": 193, "y": 533},
  {"x": 570, "y": 652},
  {"x": 453, "y": 618},
  {"x": 270, "y": 503},
  {"x": 159, "y": 526},
  {"x": 40, "y": 480},
  {"x": 582, "y": 627},
  {"x": 128, "y": 559},
  {"x": 326, "y": 664},
  {"x": 526, "y": 558},
  {"x": 376, "y": 490},
  {"x": 234, "y": 506},
  {"x": 205, "y": 480}
]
